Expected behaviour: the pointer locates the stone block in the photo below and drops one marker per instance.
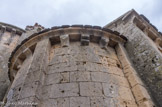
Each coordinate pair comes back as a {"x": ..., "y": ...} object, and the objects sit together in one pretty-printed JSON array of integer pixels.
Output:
[
  {"x": 129, "y": 70},
  {"x": 57, "y": 78},
  {"x": 64, "y": 40},
  {"x": 62, "y": 59},
  {"x": 93, "y": 66},
  {"x": 61, "y": 67},
  {"x": 85, "y": 40},
  {"x": 64, "y": 90},
  {"x": 145, "y": 103},
  {"x": 119, "y": 80},
  {"x": 140, "y": 92},
  {"x": 126, "y": 103},
  {"x": 100, "y": 77},
  {"x": 102, "y": 102},
  {"x": 110, "y": 89},
  {"x": 115, "y": 71},
  {"x": 134, "y": 79},
  {"x": 28, "y": 90},
  {"x": 104, "y": 42},
  {"x": 46, "y": 91},
  {"x": 91, "y": 89},
  {"x": 58, "y": 102},
  {"x": 125, "y": 93},
  {"x": 79, "y": 102},
  {"x": 79, "y": 76},
  {"x": 27, "y": 102}
]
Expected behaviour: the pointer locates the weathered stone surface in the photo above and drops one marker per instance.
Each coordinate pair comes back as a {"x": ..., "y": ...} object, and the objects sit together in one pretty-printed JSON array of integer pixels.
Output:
[
  {"x": 143, "y": 51},
  {"x": 125, "y": 93},
  {"x": 91, "y": 89},
  {"x": 84, "y": 40},
  {"x": 140, "y": 92},
  {"x": 79, "y": 76},
  {"x": 64, "y": 90},
  {"x": 103, "y": 102},
  {"x": 64, "y": 40},
  {"x": 5, "y": 51},
  {"x": 59, "y": 102},
  {"x": 57, "y": 78},
  {"x": 81, "y": 73},
  {"x": 110, "y": 89},
  {"x": 80, "y": 102},
  {"x": 104, "y": 42}
]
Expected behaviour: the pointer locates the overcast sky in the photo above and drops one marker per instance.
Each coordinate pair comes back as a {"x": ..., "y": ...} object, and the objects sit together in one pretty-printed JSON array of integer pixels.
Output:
[{"x": 60, "y": 12}]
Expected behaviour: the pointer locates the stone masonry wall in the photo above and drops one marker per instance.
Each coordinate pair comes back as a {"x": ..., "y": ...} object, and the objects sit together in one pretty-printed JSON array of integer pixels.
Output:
[
  {"x": 76, "y": 76},
  {"x": 147, "y": 59},
  {"x": 85, "y": 76},
  {"x": 5, "y": 51}
]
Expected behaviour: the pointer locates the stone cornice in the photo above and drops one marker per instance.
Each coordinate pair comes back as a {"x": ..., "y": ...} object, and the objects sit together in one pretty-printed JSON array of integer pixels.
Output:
[{"x": 10, "y": 28}]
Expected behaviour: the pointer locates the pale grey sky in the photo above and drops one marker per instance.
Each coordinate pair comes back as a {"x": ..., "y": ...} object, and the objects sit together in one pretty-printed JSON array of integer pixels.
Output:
[{"x": 60, "y": 12}]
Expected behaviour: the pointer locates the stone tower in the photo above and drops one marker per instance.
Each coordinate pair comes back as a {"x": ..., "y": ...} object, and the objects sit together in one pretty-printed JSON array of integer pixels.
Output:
[
  {"x": 144, "y": 47},
  {"x": 87, "y": 66}
]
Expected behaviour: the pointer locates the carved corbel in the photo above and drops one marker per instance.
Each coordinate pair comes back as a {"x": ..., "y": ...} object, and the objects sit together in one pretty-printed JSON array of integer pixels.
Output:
[
  {"x": 64, "y": 40},
  {"x": 85, "y": 40},
  {"x": 104, "y": 42}
]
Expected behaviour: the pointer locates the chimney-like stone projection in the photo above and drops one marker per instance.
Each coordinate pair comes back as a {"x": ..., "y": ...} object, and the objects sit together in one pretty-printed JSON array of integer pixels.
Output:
[{"x": 74, "y": 66}]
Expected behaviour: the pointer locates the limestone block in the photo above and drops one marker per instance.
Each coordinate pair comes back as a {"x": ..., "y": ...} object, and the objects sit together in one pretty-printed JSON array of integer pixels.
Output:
[
  {"x": 134, "y": 79},
  {"x": 58, "y": 102},
  {"x": 119, "y": 80},
  {"x": 140, "y": 92},
  {"x": 146, "y": 103},
  {"x": 79, "y": 102},
  {"x": 64, "y": 90},
  {"x": 115, "y": 71},
  {"x": 57, "y": 78},
  {"x": 93, "y": 66},
  {"x": 90, "y": 89},
  {"x": 61, "y": 67},
  {"x": 102, "y": 102},
  {"x": 104, "y": 60},
  {"x": 46, "y": 91},
  {"x": 129, "y": 70},
  {"x": 62, "y": 59},
  {"x": 29, "y": 101},
  {"x": 104, "y": 42},
  {"x": 125, "y": 93},
  {"x": 110, "y": 89},
  {"x": 64, "y": 40},
  {"x": 16, "y": 91},
  {"x": 84, "y": 40},
  {"x": 127, "y": 103},
  {"x": 100, "y": 77},
  {"x": 28, "y": 90},
  {"x": 81, "y": 66},
  {"x": 79, "y": 76}
]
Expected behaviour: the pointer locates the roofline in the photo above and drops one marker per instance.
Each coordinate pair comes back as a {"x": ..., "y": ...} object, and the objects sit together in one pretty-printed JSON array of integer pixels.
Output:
[
  {"x": 125, "y": 14},
  {"x": 10, "y": 25}
]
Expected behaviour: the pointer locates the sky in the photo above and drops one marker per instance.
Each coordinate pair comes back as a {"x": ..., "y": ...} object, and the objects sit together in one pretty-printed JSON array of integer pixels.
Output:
[{"x": 50, "y": 13}]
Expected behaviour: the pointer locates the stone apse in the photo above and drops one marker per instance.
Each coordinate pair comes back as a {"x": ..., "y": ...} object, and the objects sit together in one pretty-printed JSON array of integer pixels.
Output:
[
  {"x": 118, "y": 65},
  {"x": 75, "y": 66}
]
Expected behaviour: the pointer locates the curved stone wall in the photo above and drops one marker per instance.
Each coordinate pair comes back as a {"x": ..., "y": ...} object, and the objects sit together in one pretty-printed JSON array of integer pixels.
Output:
[{"x": 73, "y": 66}]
